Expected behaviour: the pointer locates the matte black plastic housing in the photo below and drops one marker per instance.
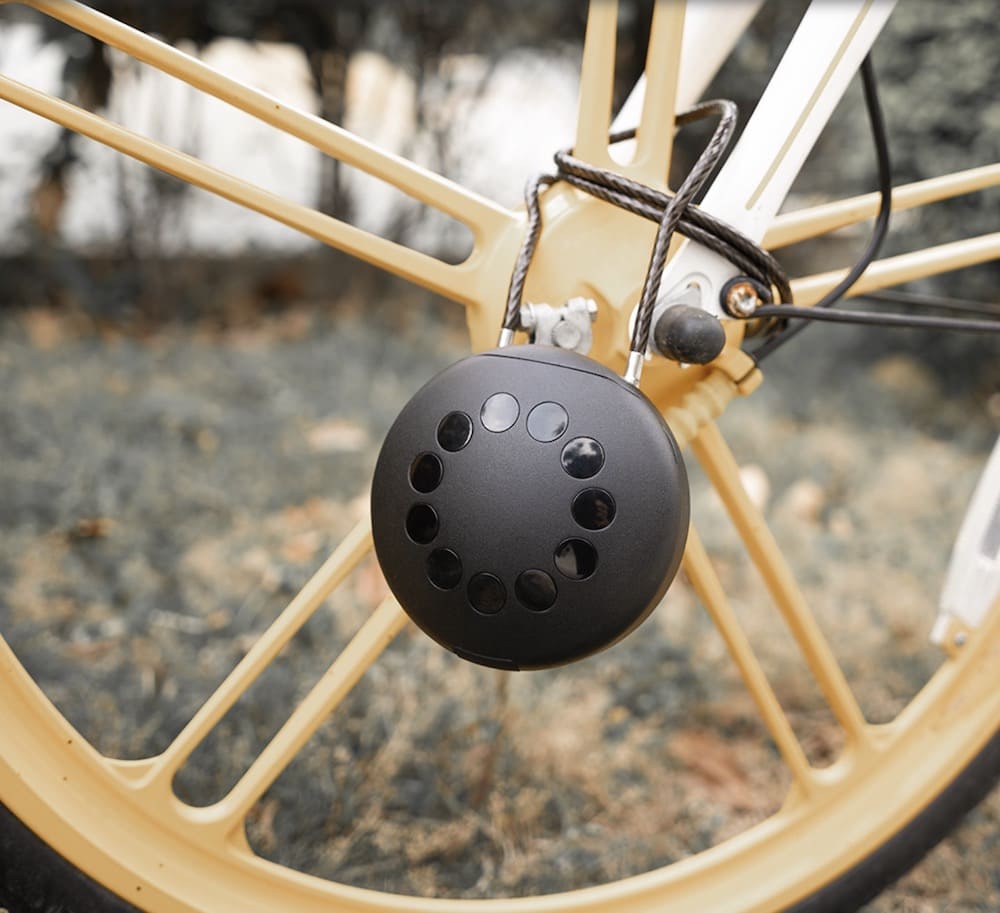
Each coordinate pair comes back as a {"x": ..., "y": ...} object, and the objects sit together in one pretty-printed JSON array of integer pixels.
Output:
[{"x": 529, "y": 507}]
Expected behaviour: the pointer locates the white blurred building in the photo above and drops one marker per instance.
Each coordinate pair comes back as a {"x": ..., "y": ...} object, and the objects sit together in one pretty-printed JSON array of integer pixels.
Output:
[{"x": 108, "y": 194}]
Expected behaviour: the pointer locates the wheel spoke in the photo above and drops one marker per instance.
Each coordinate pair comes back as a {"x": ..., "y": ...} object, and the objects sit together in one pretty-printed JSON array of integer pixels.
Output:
[
  {"x": 711, "y": 30},
  {"x": 365, "y": 647},
  {"x": 700, "y": 572},
  {"x": 480, "y": 214},
  {"x": 722, "y": 470},
  {"x": 903, "y": 268},
  {"x": 791, "y": 227},
  {"x": 331, "y": 574},
  {"x": 463, "y": 283},
  {"x": 655, "y": 134},
  {"x": 480, "y": 278},
  {"x": 597, "y": 75}
]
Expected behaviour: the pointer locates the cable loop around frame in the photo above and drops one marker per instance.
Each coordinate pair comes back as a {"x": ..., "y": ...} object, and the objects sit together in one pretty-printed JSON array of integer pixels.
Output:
[{"x": 673, "y": 212}]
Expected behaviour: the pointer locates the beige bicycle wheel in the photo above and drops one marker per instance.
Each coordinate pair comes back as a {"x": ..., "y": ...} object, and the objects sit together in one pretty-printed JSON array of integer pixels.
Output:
[{"x": 103, "y": 832}]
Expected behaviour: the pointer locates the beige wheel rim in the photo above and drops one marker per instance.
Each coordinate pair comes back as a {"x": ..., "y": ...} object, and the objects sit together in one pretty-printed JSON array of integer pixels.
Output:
[{"x": 121, "y": 823}]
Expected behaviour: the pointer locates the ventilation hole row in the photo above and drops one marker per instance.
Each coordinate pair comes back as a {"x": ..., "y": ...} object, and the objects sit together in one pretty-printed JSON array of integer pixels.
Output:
[
  {"x": 546, "y": 422},
  {"x": 535, "y": 589}
]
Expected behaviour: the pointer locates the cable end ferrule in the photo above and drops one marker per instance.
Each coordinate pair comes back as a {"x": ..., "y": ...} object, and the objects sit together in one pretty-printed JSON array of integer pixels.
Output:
[{"x": 633, "y": 370}]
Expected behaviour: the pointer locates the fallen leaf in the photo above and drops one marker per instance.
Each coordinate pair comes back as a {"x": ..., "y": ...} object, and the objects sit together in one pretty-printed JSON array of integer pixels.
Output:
[
  {"x": 91, "y": 528},
  {"x": 337, "y": 436},
  {"x": 711, "y": 760}
]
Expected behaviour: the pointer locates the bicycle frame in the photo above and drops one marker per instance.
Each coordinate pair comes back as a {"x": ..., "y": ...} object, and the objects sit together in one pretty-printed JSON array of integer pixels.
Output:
[{"x": 818, "y": 65}]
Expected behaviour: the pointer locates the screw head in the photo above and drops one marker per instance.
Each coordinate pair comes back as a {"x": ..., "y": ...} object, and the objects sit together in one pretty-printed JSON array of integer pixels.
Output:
[{"x": 742, "y": 299}]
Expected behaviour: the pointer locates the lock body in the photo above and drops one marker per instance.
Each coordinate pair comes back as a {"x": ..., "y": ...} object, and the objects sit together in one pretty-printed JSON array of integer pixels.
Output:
[{"x": 529, "y": 507}]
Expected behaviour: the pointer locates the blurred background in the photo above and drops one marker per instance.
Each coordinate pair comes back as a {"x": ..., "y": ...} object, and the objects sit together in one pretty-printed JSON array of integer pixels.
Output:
[
  {"x": 194, "y": 397},
  {"x": 433, "y": 82}
]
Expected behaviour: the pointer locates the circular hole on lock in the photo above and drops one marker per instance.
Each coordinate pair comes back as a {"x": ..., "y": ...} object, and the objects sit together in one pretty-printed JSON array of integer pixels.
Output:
[
  {"x": 583, "y": 458},
  {"x": 547, "y": 422},
  {"x": 535, "y": 590},
  {"x": 486, "y": 593},
  {"x": 594, "y": 509},
  {"x": 444, "y": 568},
  {"x": 576, "y": 559},
  {"x": 455, "y": 431},
  {"x": 425, "y": 473},
  {"x": 422, "y": 523},
  {"x": 499, "y": 412}
]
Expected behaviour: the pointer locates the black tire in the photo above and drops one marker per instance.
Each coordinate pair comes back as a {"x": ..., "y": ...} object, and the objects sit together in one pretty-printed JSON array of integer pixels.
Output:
[
  {"x": 36, "y": 879},
  {"x": 901, "y": 852}
]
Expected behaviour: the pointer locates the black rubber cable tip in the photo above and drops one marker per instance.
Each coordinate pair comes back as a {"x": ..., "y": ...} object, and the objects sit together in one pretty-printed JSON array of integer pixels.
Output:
[{"x": 689, "y": 335}]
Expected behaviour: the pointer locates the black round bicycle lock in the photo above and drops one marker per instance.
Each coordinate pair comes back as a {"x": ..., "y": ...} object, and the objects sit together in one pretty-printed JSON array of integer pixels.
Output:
[{"x": 529, "y": 507}]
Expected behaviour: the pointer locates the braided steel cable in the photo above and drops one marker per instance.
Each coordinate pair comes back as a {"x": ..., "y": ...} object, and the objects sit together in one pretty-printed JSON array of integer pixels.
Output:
[
  {"x": 675, "y": 213},
  {"x": 672, "y": 212},
  {"x": 703, "y": 167}
]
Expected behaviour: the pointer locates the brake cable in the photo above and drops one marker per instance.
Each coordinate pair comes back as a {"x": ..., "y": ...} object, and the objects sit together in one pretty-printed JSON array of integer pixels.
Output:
[{"x": 820, "y": 311}]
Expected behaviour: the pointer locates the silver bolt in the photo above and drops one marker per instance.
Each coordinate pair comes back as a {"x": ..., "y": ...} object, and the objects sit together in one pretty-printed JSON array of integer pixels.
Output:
[
  {"x": 742, "y": 299},
  {"x": 566, "y": 335},
  {"x": 960, "y": 639}
]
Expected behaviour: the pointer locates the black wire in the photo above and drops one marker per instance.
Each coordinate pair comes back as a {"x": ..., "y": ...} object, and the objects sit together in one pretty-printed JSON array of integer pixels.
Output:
[
  {"x": 923, "y": 300},
  {"x": 874, "y": 318},
  {"x": 676, "y": 212},
  {"x": 877, "y": 122}
]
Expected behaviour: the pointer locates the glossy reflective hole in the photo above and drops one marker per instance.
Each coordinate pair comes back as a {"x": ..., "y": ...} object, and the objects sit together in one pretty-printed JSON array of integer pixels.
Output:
[
  {"x": 455, "y": 431},
  {"x": 422, "y": 523},
  {"x": 535, "y": 590},
  {"x": 583, "y": 458},
  {"x": 444, "y": 568},
  {"x": 499, "y": 412},
  {"x": 594, "y": 508},
  {"x": 425, "y": 473},
  {"x": 486, "y": 593},
  {"x": 547, "y": 422},
  {"x": 576, "y": 559}
]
